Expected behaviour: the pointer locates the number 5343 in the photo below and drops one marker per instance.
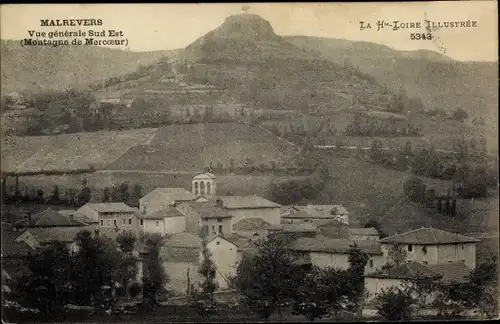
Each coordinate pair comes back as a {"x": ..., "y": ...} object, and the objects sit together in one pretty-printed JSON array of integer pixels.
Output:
[{"x": 419, "y": 36}]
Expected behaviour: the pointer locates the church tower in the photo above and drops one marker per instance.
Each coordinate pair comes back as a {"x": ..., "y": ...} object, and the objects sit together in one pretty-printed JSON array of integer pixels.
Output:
[{"x": 204, "y": 184}]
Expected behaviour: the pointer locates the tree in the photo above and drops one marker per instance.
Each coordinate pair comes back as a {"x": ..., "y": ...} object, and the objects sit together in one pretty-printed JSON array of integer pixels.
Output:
[
  {"x": 55, "y": 196},
  {"x": 51, "y": 277},
  {"x": 154, "y": 274},
  {"x": 136, "y": 194},
  {"x": 394, "y": 304},
  {"x": 106, "y": 195},
  {"x": 203, "y": 299},
  {"x": 270, "y": 278},
  {"x": 376, "y": 152},
  {"x": 320, "y": 292},
  {"x": 126, "y": 241},
  {"x": 124, "y": 194},
  {"x": 355, "y": 277},
  {"x": 85, "y": 194},
  {"x": 396, "y": 255},
  {"x": 39, "y": 196},
  {"x": 97, "y": 264},
  {"x": 415, "y": 189},
  {"x": 377, "y": 225}
]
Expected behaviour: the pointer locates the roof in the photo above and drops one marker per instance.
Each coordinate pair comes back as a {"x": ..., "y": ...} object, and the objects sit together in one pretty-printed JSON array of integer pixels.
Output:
[
  {"x": 114, "y": 207},
  {"x": 451, "y": 272},
  {"x": 328, "y": 245},
  {"x": 184, "y": 240},
  {"x": 428, "y": 236},
  {"x": 168, "y": 212},
  {"x": 208, "y": 210},
  {"x": 170, "y": 194},
  {"x": 364, "y": 231},
  {"x": 251, "y": 224},
  {"x": 334, "y": 209},
  {"x": 66, "y": 212},
  {"x": 51, "y": 234},
  {"x": 409, "y": 270},
  {"x": 295, "y": 228},
  {"x": 49, "y": 217},
  {"x": 333, "y": 229},
  {"x": 237, "y": 202},
  {"x": 203, "y": 175},
  {"x": 11, "y": 248},
  {"x": 314, "y": 211}
]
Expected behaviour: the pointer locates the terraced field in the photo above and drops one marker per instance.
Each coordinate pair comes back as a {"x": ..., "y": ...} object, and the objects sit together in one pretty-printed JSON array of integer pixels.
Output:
[
  {"x": 194, "y": 146},
  {"x": 69, "y": 151}
]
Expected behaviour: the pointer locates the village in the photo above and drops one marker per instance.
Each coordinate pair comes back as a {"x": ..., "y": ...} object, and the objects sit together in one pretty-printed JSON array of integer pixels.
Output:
[{"x": 190, "y": 222}]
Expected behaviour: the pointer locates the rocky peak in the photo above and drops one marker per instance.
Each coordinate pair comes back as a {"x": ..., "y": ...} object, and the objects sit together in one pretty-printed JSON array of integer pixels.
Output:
[{"x": 246, "y": 26}]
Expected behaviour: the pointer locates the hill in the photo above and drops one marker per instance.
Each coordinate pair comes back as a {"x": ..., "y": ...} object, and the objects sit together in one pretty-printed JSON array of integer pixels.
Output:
[
  {"x": 439, "y": 81},
  {"x": 54, "y": 68}
]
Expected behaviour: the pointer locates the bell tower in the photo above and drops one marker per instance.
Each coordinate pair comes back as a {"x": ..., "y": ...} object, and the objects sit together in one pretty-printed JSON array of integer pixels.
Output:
[{"x": 204, "y": 184}]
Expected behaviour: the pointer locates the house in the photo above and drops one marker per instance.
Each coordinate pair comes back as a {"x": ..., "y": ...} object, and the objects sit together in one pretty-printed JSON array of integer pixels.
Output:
[
  {"x": 181, "y": 255},
  {"x": 447, "y": 274},
  {"x": 243, "y": 207},
  {"x": 225, "y": 254},
  {"x": 205, "y": 216},
  {"x": 369, "y": 233},
  {"x": 204, "y": 184},
  {"x": 295, "y": 230},
  {"x": 165, "y": 221},
  {"x": 162, "y": 198},
  {"x": 39, "y": 237},
  {"x": 48, "y": 218},
  {"x": 252, "y": 228},
  {"x": 397, "y": 276},
  {"x": 326, "y": 252},
  {"x": 111, "y": 218},
  {"x": 433, "y": 246},
  {"x": 319, "y": 214}
]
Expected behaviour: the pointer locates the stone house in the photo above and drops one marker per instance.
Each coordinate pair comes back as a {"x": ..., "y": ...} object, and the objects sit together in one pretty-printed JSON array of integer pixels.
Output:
[
  {"x": 49, "y": 218},
  {"x": 319, "y": 214},
  {"x": 162, "y": 198},
  {"x": 42, "y": 236},
  {"x": 243, "y": 207},
  {"x": 181, "y": 255},
  {"x": 327, "y": 252},
  {"x": 433, "y": 246},
  {"x": 111, "y": 218},
  {"x": 165, "y": 221},
  {"x": 207, "y": 217}
]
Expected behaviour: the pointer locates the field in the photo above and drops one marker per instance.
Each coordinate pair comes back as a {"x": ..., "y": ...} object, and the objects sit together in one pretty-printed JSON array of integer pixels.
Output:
[
  {"x": 69, "y": 151},
  {"x": 435, "y": 130},
  {"x": 193, "y": 147}
]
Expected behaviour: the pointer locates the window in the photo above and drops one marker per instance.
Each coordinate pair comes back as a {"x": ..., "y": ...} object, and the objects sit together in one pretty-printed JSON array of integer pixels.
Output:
[
  {"x": 462, "y": 247},
  {"x": 410, "y": 247},
  {"x": 142, "y": 221},
  {"x": 130, "y": 221},
  {"x": 157, "y": 223},
  {"x": 218, "y": 242},
  {"x": 196, "y": 188},
  {"x": 202, "y": 188},
  {"x": 371, "y": 263},
  {"x": 425, "y": 262},
  {"x": 102, "y": 222},
  {"x": 213, "y": 228},
  {"x": 114, "y": 221},
  {"x": 220, "y": 229},
  {"x": 208, "y": 188},
  {"x": 124, "y": 221}
]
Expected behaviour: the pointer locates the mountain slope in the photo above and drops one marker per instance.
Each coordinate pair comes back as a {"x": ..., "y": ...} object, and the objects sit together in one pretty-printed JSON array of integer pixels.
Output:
[
  {"x": 36, "y": 68},
  {"x": 439, "y": 81}
]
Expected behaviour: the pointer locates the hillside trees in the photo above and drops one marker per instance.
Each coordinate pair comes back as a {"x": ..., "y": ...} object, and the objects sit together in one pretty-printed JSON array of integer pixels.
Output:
[
  {"x": 155, "y": 276},
  {"x": 394, "y": 304},
  {"x": 415, "y": 189}
]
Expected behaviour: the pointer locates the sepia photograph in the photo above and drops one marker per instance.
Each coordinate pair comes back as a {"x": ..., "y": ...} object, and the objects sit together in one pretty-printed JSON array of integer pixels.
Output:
[{"x": 249, "y": 162}]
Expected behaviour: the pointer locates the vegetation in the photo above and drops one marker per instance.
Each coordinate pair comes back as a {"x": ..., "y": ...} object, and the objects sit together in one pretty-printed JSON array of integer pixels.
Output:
[
  {"x": 155, "y": 278},
  {"x": 394, "y": 304}
]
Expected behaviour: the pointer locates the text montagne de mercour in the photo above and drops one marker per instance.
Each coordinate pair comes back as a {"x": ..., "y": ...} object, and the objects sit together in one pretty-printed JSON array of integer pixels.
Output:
[{"x": 91, "y": 34}]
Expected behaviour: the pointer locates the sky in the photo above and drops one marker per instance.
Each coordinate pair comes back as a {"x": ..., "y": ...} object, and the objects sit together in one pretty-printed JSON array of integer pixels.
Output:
[{"x": 170, "y": 26}]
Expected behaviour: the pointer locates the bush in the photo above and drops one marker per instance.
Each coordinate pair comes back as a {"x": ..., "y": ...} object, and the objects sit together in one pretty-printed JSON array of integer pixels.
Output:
[{"x": 134, "y": 289}]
